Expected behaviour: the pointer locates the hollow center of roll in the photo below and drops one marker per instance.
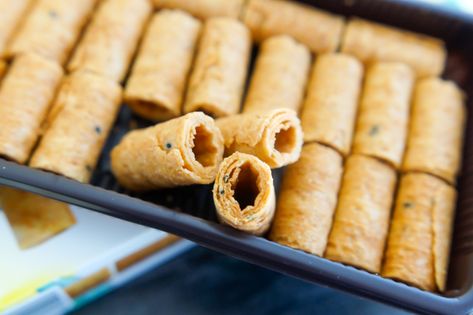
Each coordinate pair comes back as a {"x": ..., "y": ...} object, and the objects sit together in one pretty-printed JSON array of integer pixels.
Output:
[
  {"x": 246, "y": 187},
  {"x": 203, "y": 146},
  {"x": 285, "y": 140}
]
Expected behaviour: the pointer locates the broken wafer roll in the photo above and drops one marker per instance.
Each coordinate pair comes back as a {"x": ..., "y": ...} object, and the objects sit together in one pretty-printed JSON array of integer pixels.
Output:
[
  {"x": 26, "y": 94},
  {"x": 435, "y": 139},
  {"x": 11, "y": 15},
  {"x": 418, "y": 248},
  {"x": 182, "y": 151},
  {"x": 51, "y": 28},
  {"x": 361, "y": 221},
  {"x": 155, "y": 89},
  {"x": 307, "y": 200},
  {"x": 204, "y": 9},
  {"x": 329, "y": 111},
  {"x": 317, "y": 29},
  {"x": 372, "y": 42},
  {"x": 274, "y": 136},
  {"x": 111, "y": 38},
  {"x": 78, "y": 125},
  {"x": 244, "y": 194},
  {"x": 382, "y": 125},
  {"x": 219, "y": 73},
  {"x": 280, "y": 75}
]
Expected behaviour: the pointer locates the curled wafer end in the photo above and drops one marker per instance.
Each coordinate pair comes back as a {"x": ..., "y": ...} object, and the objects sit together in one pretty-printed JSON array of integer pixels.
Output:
[{"x": 244, "y": 193}]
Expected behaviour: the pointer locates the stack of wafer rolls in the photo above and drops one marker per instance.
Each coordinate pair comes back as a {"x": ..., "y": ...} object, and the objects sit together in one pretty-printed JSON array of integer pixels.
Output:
[
  {"x": 382, "y": 124},
  {"x": 11, "y": 15},
  {"x": 329, "y": 111},
  {"x": 273, "y": 136},
  {"x": 204, "y": 9},
  {"x": 78, "y": 125},
  {"x": 435, "y": 139},
  {"x": 217, "y": 80},
  {"x": 111, "y": 38},
  {"x": 319, "y": 30},
  {"x": 307, "y": 200},
  {"x": 26, "y": 94},
  {"x": 155, "y": 89},
  {"x": 51, "y": 28},
  {"x": 361, "y": 222},
  {"x": 280, "y": 75},
  {"x": 418, "y": 248},
  {"x": 244, "y": 194},
  {"x": 371, "y": 42},
  {"x": 182, "y": 151}
]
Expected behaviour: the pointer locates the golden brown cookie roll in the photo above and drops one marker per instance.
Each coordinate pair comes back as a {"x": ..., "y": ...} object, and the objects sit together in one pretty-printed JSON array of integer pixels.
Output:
[
  {"x": 3, "y": 69},
  {"x": 274, "y": 136},
  {"x": 280, "y": 75},
  {"x": 182, "y": 151},
  {"x": 371, "y": 42},
  {"x": 307, "y": 200},
  {"x": 244, "y": 193},
  {"x": 204, "y": 9},
  {"x": 317, "y": 29},
  {"x": 360, "y": 226},
  {"x": 111, "y": 39},
  {"x": 11, "y": 15},
  {"x": 382, "y": 125},
  {"x": 418, "y": 248},
  {"x": 219, "y": 73},
  {"x": 26, "y": 94},
  {"x": 435, "y": 140},
  {"x": 78, "y": 125},
  {"x": 156, "y": 86},
  {"x": 51, "y": 28},
  {"x": 329, "y": 111}
]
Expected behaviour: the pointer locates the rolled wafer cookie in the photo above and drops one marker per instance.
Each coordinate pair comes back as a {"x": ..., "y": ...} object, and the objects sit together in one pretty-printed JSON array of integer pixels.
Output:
[
  {"x": 26, "y": 95},
  {"x": 274, "y": 136},
  {"x": 218, "y": 76},
  {"x": 382, "y": 125},
  {"x": 280, "y": 75},
  {"x": 418, "y": 247},
  {"x": 51, "y": 28},
  {"x": 3, "y": 69},
  {"x": 181, "y": 151},
  {"x": 111, "y": 38},
  {"x": 361, "y": 221},
  {"x": 435, "y": 138},
  {"x": 329, "y": 111},
  {"x": 307, "y": 199},
  {"x": 155, "y": 89},
  {"x": 370, "y": 42},
  {"x": 317, "y": 29},
  {"x": 78, "y": 125},
  {"x": 204, "y": 9},
  {"x": 12, "y": 14},
  {"x": 244, "y": 194}
]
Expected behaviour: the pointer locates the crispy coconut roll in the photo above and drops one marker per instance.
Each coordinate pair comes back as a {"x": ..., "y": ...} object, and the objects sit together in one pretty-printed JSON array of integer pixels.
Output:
[
  {"x": 274, "y": 136},
  {"x": 361, "y": 222},
  {"x": 26, "y": 94},
  {"x": 317, "y": 29},
  {"x": 280, "y": 75},
  {"x": 371, "y": 42},
  {"x": 12, "y": 14},
  {"x": 435, "y": 140},
  {"x": 307, "y": 199},
  {"x": 111, "y": 39},
  {"x": 418, "y": 248},
  {"x": 157, "y": 83},
  {"x": 382, "y": 125},
  {"x": 182, "y": 151},
  {"x": 204, "y": 9},
  {"x": 217, "y": 80},
  {"x": 244, "y": 193},
  {"x": 51, "y": 28},
  {"x": 78, "y": 125},
  {"x": 329, "y": 111}
]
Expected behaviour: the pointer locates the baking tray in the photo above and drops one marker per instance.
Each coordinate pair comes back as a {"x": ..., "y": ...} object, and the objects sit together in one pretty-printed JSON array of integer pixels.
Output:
[{"x": 189, "y": 211}]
